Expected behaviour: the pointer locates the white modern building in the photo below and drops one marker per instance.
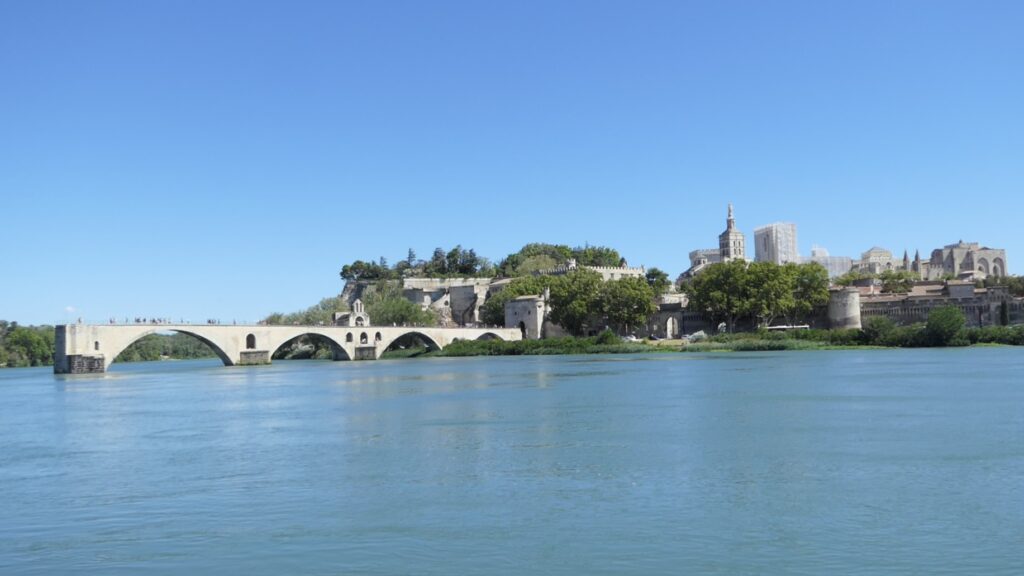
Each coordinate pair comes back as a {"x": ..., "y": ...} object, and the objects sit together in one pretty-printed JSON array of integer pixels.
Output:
[
  {"x": 776, "y": 243},
  {"x": 836, "y": 265}
]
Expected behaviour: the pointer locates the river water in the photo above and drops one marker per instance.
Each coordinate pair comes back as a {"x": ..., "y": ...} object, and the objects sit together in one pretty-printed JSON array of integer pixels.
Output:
[{"x": 845, "y": 462}]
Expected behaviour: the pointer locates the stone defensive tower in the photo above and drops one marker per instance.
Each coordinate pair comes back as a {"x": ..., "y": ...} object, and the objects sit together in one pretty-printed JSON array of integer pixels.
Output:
[{"x": 844, "y": 309}]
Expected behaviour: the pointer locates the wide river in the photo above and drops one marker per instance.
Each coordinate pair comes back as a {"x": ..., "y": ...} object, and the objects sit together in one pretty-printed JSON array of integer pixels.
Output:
[{"x": 845, "y": 462}]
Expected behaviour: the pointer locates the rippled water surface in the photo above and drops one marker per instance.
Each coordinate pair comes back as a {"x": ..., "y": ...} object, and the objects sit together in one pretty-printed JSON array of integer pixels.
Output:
[{"x": 846, "y": 462}]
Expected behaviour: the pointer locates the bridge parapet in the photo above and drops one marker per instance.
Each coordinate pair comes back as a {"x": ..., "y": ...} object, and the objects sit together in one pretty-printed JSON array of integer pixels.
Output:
[{"x": 92, "y": 348}]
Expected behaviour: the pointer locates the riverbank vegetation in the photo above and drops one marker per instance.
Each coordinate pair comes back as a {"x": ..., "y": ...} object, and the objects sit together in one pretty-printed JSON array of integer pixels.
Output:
[
  {"x": 605, "y": 343},
  {"x": 945, "y": 327},
  {"x": 165, "y": 346},
  {"x": 22, "y": 346}
]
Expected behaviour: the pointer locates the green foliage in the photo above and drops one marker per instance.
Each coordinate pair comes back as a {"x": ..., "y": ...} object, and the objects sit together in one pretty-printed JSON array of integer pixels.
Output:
[
  {"x": 604, "y": 343},
  {"x": 534, "y": 257},
  {"x": 597, "y": 256},
  {"x": 387, "y": 306},
  {"x": 853, "y": 276},
  {"x": 945, "y": 326},
  {"x": 535, "y": 264},
  {"x": 454, "y": 263},
  {"x": 493, "y": 310},
  {"x": 537, "y": 257},
  {"x": 627, "y": 302},
  {"x": 809, "y": 283},
  {"x": 25, "y": 345},
  {"x": 761, "y": 291},
  {"x": 720, "y": 292},
  {"x": 768, "y": 291},
  {"x": 658, "y": 279},
  {"x": 897, "y": 281},
  {"x": 1013, "y": 336},
  {"x": 321, "y": 313},
  {"x": 360, "y": 270},
  {"x": 576, "y": 300},
  {"x": 607, "y": 337},
  {"x": 159, "y": 346},
  {"x": 878, "y": 328},
  {"x": 1015, "y": 284}
]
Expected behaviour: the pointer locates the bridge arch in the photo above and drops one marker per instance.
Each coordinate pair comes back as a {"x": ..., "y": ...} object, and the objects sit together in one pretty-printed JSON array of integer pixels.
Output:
[
  {"x": 338, "y": 351},
  {"x": 489, "y": 336},
  {"x": 386, "y": 343},
  {"x": 117, "y": 347}
]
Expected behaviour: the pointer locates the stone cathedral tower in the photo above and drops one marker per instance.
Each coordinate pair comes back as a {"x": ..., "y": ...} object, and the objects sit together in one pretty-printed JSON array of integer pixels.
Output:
[{"x": 731, "y": 243}]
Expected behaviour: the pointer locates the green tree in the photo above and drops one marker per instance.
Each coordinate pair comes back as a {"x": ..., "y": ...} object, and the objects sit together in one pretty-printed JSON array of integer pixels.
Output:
[
  {"x": 853, "y": 276},
  {"x": 897, "y": 281},
  {"x": 493, "y": 310},
  {"x": 538, "y": 263},
  {"x": 360, "y": 270},
  {"x": 945, "y": 326},
  {"x": 1015, "y": 284},
  {"x": 877, "y": 329},
  {"x": 658, "y": 280},
  {"x": 596, "y": 256},
  {"x": 768, "y": 292},
  {"x": 29, "y": 346},
  {"x": 386, "y": 306},
  {"x": 320, "y": 313},
  {"x": 810, "y": 289},
  {"x": 721, "y": 291},
  {"x": 540, "y": 257},
  {"x": 437, "y": 266},
  {"x": 576, "y": 300},
  {"x": 627, "y": 303}
]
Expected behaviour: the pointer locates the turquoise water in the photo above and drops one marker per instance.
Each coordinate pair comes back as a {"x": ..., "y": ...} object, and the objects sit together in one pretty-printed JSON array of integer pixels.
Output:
[{"x": 845, "y": 462}]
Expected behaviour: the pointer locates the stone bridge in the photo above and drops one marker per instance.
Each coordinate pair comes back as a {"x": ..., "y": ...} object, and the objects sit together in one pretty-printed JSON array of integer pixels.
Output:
[{"x": 91, "y": 348}]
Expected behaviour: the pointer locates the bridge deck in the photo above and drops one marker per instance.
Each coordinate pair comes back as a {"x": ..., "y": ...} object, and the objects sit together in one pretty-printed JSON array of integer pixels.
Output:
[{"x": 93, "y": 347}]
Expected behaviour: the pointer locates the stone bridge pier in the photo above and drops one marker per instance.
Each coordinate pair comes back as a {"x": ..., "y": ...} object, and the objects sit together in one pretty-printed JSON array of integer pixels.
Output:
[{"x": 92, "y": 348}]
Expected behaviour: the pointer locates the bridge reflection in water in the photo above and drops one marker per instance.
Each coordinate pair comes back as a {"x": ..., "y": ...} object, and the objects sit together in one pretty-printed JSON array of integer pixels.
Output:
[{"x": 92, "y": 348}]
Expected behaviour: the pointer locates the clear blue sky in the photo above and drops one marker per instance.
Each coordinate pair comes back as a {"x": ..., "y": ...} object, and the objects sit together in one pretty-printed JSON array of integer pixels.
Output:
[{"x": 225, "y": 159}]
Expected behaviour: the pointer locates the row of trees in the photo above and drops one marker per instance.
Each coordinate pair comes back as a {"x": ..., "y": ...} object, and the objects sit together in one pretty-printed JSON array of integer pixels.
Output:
[
  {"x": 454, "y": 263},
  {"x": 537, "y": 256},
  {"x": 1014, "y": 283},
  {"x": 159, "y": 346},
  {"x": 581, "y": 301},
  {"x": 320, "y": 313},
  {"x": 25, "y": 345},
  {"x": 462, "y": 263},
  {"x": 760, "y": 292},
  {"x": 895, "y": 281}
]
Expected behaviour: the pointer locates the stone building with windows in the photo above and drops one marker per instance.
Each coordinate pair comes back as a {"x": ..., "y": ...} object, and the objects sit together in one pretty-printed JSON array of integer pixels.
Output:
[
  {"x": 875, "y": 261},
  {"x": 981, "y": 306},
  {"x": 966, "y": 260}
]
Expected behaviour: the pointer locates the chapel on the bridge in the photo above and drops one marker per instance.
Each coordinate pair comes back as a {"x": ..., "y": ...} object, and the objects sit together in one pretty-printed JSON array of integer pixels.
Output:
[{"x": 357, "y": 317}]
